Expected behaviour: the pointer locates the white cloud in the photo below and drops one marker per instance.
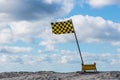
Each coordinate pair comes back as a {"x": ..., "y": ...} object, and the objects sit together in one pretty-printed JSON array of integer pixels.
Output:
[
  {"x": 102, "y": 3},
  {"x": 21, "y": 31},
  {"x": 27, "y": 31},
  {"x": 60, "y": 57},
  {"x": 67, "y": 8},
  {"x": 48, "y": 44},
  {"x": 37, "y": 9},
  {"x": 18, "y": 18},
  {"x": 118, "y": 50},
  {"x": 64, "y": 57},
  {"x": 15, "y": 49},
  {"x": 95, "y": 29},
  {"x": 3, "y": 59},
  {"x": 116, "y": 43},
  {"x": 5, "y": 33},
  {"x": 20, "y": 25},
  {"x": 54, "y": 1}
]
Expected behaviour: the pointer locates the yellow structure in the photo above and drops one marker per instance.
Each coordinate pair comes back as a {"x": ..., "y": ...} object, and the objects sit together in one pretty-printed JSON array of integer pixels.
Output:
[{"x": 89, "y": 67}]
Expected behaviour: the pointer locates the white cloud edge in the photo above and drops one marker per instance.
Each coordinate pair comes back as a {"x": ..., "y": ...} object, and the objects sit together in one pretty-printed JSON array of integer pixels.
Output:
[
  {"x": 15, "y": 49},
  {"x": 102, "y": 3}
]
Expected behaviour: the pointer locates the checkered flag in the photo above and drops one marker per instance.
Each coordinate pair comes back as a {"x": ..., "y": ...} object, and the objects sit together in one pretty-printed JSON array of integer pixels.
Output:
[
  {"x": 63, "y": 27},
  {"x": 66, "y": 27}
]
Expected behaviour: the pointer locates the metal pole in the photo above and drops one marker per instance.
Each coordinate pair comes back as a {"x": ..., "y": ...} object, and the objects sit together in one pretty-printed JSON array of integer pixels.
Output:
[{"x": 78, "y": 45}]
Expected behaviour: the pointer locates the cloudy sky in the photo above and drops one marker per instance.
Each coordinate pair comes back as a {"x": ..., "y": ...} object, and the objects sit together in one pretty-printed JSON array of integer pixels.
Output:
[{"x": 27, "y": 43}]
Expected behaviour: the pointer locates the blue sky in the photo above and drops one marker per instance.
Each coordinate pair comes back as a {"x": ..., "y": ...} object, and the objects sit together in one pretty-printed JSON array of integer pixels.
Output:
[{"x": 27, "y": 42}]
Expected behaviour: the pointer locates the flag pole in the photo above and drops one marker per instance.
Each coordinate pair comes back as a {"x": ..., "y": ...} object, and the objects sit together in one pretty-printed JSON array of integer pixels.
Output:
[{"x": 78, "y": 45}]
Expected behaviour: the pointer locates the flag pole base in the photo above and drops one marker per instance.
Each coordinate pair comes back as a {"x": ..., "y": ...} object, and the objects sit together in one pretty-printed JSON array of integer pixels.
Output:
[{"x": 89, "y": 67}]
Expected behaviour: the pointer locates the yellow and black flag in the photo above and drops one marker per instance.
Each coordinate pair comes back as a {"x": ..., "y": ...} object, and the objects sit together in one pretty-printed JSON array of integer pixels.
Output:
[{"x": 63, "y": 27}]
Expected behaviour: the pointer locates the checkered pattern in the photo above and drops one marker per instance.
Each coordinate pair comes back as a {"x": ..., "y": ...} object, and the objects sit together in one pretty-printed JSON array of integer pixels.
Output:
[{"x": 63, "y": 27}]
